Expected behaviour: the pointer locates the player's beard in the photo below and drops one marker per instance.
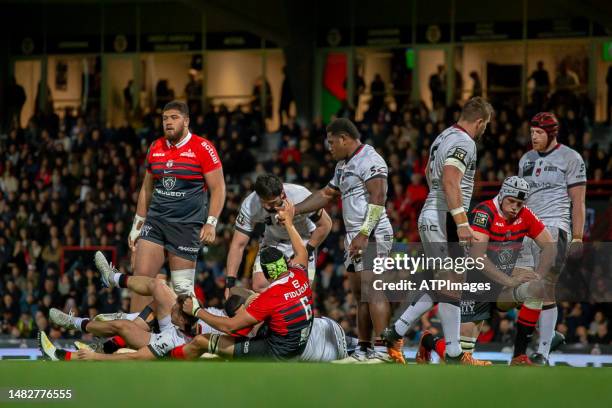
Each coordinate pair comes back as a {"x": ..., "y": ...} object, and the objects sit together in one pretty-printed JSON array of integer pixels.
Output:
[{"x": 175, "y": 136}]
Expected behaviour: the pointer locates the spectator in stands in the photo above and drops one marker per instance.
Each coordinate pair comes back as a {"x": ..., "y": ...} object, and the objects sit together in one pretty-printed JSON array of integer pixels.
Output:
[{"x": 541, "y": 86}]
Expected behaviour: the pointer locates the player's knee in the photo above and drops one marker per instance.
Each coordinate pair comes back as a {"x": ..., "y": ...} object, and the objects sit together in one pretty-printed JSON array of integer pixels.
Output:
[
  {"x": 182, "y": 281},
  {"x": 120, "y": 326}
]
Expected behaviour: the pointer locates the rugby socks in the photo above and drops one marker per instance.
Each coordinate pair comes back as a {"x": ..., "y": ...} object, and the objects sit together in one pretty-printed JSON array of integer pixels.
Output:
[
  {"x": 113, "y": 344},
  {"x": 434, "y": 343},
  {"x": 450, "y": 316},
  {"x": 81, "y": 323},
  {"x": 364, "y": 345},
  {"x": 525, "y": 325},
  {"x": 178, "y": 353},
  {"x": 548, "y": 321},
  {"x": 64, "y": 355},
  {"x": 468, "y": 344},
  {"x": 120, "y": 279},
  {"x": 410, "y": 315}
]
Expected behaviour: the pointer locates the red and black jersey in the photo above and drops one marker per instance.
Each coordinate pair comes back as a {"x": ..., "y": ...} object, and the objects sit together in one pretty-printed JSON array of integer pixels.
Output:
[
  {"x": 179, "y": 188},
  {"x": 505, "y": 238},
  {"x": 286, "y": 308}
]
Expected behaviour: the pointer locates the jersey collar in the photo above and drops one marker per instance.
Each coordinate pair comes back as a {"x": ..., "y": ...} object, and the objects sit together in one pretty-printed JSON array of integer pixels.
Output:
[
  {"x": 356, "y": 152},
  {"x": 181, "y": 143},
  {"x": 284, "y": 279},
  {"x": 550, "y": 151},
  {"x": 458, "y": 126}
]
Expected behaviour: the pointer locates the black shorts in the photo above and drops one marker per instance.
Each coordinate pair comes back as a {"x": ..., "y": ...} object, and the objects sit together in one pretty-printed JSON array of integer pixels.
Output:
[
  {"x": 256, "y": 348},
  {"x": 474, "y": 311},
  {"x": 182, "y": 239}
]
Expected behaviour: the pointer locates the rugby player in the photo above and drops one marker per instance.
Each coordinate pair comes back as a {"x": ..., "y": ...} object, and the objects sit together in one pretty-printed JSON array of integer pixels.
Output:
[
  {"x": 172, "y": 204},
  {"x": 443, "y": 219},
  {"x": 557, "y": 176},
  {"x": 175, "y": 327},
  {"x": 499, "y": 227},
  {"x": 285, "y": 307},
  {"x": 360, "y": 180},
  {"x": 260, "y": 207}
]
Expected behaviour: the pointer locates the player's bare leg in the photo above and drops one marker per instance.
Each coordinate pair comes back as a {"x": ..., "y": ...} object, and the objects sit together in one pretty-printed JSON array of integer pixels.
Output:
[
  {"x": 220, "y": 345},
  {"x": 149, "y": 259},
  {"x": 364, "y": 322},
  {"x": 182, "y": 274},
  {"x": 379, "y": 313}
]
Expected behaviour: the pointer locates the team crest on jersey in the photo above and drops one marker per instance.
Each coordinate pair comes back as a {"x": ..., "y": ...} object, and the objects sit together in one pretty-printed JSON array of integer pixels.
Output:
[
  {"x": 170, "y": 163},
  {"x": 538, "y": 171},
  {"x": 169, "y": 182},
  {"x": 481, "y": 219}
]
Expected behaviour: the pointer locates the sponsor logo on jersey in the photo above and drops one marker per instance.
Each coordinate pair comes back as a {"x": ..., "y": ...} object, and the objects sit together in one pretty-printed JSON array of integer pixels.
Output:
[
  {"x": 170, "y": 193},
  {"x": 467, "y": 307},
  {"x": 425, "y": 227},
  {"x": 211, "y": 152},
  {"x": 517, "y": 221},
  {"x": 459, "y": 154},
  {"x": 528, "y": 169},
  {"x": 499, "y": 224},
  {"x": 550, "y": 168},
  {"x": 169, "y": 182},
  {"x": 145, "y": 230},
  {"x": 159, "y": 154},
  {"x": 188, "y": 154}
]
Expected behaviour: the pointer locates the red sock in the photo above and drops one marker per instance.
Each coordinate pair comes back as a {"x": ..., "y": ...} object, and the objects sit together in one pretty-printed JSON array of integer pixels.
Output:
[
  {"x": 525, "y": 326},
  {"x": 178, "y": 353},
  {"x": 68, "y": 356},
  {"x": 119, "y": 341},
  {"x": 440, "y": 346}
]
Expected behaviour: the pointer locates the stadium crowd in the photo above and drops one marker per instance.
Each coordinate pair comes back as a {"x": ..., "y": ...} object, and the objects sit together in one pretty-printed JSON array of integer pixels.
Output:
[{"x": 71, "y": 182}]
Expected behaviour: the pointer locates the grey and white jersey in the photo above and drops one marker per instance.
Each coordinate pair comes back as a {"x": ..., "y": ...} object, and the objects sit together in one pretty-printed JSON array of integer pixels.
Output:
[
  {"x": 452, "y": 147},
  {"x": 252, "y": 213},
  {"x": 550, "y": 175},
  {"x": 350, "y": 177}
]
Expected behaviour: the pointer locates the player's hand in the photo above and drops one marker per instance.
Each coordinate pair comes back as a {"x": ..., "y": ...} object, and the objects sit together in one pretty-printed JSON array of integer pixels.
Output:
[
  {"x": 358, "y": 246},
  {"x": 208, "y": 234},
  {"x": 285, "y": 213},
  {"x": 520, "y": 276},
  {"x": 575, "y": 250},
  {"x": 135, "y": 231},
  {"x": 86, "y": 355},
  {"x": 465, "y": 234},
  {"x": 191, "y": 306}
]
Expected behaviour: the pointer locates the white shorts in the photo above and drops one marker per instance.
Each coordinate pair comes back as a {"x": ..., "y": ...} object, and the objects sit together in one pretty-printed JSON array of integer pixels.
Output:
[
  {"x": 327, "y": 342},
  {"x": 287, "y": 249},
  {"x": 529, "y": 257},
  {"x": 161, "y": 343},
  {"x": 384, "y": 244},
  {"x": 434, "y": 233}
]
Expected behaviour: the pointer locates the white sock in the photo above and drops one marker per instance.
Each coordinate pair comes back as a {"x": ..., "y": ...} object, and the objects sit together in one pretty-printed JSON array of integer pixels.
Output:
[
  {"x": 468, "y": 344},
  {"x": 411, "y": 314},
  {"x": 547, "y": 323},
  {"x": 78, "y": 321},
  {"x": 450, "y": 316},
  {"x": 116, "y": 277}
]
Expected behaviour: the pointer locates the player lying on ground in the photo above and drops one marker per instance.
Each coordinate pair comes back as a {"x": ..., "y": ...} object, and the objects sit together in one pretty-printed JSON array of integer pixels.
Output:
[
  {"x": 260, "y": 207},
  {"x": 285, "y": 306},
  {"x": 499, "y": 226},
  {"x": 175, "y": 327}
]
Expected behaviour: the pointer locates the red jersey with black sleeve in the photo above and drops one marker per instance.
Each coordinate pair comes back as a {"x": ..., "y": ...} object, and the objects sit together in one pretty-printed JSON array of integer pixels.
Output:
[
  {"x": 286, "y": 308},
  {"x": 179, "y": 188},
  {"x": 505, "y": 237}
]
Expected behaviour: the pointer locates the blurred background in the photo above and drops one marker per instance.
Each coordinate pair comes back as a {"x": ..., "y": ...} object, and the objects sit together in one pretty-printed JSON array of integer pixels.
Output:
[{"x": 82, "y": 84}]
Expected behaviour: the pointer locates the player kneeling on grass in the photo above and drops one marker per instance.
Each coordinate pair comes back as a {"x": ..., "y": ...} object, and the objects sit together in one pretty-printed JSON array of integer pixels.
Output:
[{"x": 499, "y": 226}]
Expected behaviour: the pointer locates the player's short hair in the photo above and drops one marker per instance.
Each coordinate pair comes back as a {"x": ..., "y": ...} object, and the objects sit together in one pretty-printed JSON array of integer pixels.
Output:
[
  {"x": 343, "y": 126},
  {"x": 189, "y": 320},
  {"x": 476, "y": 108},
  {"x": 177, "y": 105},
  {"x": 268, "y": 185}
]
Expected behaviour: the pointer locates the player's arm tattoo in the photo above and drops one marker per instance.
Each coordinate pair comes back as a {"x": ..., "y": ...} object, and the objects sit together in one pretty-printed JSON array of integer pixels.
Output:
[
  {"x": 324, "y": 225},
  {"x": 316, "y": 200},
  {"x": 241, "y": 320},
  {"x": 577, "y": 196},
  {"x": 216, "y": 184}
]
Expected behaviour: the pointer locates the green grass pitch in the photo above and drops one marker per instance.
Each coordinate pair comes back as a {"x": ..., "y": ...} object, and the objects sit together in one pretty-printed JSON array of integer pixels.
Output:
[{"x": 218, "y": 384}]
